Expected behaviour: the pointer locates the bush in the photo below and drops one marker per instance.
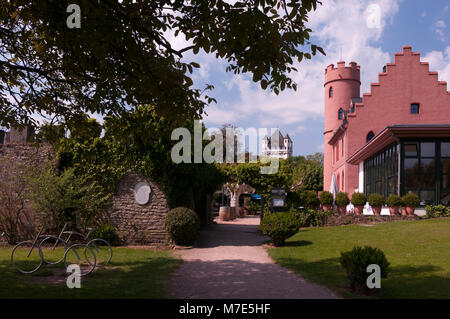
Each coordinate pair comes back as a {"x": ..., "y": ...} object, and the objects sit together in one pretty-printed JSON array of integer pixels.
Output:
[
  {"x": 254, "y": 207},
  {"x": 394, "y": 201},
  {"x": 410, "y": 200},
  {"x": 376, "y": 200},
  {"x": 106, "y": 232},
  {"x": 309, "y": 199},
  {"x": 434, "y": 211},
  {"x": 356, "y": 261},
  {"x": 326, "y": 198},
  {"x": 311, "y": 217},
  {"x": 359, "y": 199},
  {"x": 182, "y": 225},
  {"x": 279, "y": 227},
  {"x": 65, "y": 197},
  {"x": 293, "y": 200},
  {"x": 342, "y": 199},
  {"x": 16, "y": 216}
]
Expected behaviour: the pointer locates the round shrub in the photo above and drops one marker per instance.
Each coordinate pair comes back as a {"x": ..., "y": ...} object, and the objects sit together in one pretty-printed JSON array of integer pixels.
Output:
[
  {"x": 394, "y": 201},
  {"x": 106, "y": 232},
  {"x": 310, "y": 199},
  {"x": 410, "y": 200},
  {"x": 279, "y": 227},
  {"x": 183, "y": 225},
  {"x": 342, "y": 199},
  {"x": 326, "y": 198},
  {"x": 376, "y": 200},
  {"x": 359, "y": 199},
  {"x": 356, "y": 261}
]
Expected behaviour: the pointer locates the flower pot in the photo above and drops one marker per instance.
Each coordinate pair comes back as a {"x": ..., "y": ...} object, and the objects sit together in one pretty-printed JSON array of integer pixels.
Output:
[
  {"x": 327, "y": 207},
  {"x": 404, "y": 211},
  {"x": 359, "y": 209},
  {"x": 342, "y": 209},
  {"x": 376, "y": 210},
  {"x": 410, "y": 210},
  {"x": 394, "y": 210}
]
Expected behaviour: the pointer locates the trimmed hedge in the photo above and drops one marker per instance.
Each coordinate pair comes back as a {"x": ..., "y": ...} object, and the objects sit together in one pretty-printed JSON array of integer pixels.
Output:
[
  {"x": 326, "y": 198},
  {"x": 411, "y": 200},
  {"x": 376, "y": 200},
  {"x": 183, "y": 225},
  {"x": 359, "y": 199},
  {"x": 342, "y": 199},
  {"x": 279, "y": 226},
  {"x": 394, "y": 201}
]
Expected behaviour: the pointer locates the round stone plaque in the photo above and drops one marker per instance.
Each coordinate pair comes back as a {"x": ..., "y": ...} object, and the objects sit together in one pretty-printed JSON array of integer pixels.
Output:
[{"x": 142, "y": 193}]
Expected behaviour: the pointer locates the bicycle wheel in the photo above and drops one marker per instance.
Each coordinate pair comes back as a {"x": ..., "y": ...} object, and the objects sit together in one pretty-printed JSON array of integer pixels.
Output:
[
  {"x": 81, "y": 255},
  {"x": 23, "y": 261},
  {"x": 53, "y": 249},
  {"x": 102, "y": 250}
]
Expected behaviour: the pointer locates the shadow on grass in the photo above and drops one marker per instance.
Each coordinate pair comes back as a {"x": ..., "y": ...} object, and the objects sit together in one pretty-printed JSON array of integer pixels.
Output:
[
  {"x": 136, "y": 279},
  {"x": 297, "y": 243},
  {"x": 404, "y": 281}
]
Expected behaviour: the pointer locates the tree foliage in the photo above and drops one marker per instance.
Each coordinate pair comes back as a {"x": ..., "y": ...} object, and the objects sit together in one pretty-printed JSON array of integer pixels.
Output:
[
  {"x": 140, "y": 140},
  {"x": 122, "y": 54},
  {"x": 292, "y": 172},
  {"x": 59, "y": 198}
]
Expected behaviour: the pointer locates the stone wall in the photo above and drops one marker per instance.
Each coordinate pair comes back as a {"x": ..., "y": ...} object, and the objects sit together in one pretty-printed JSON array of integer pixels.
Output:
[
  {"x": 135, "y": 223},
  {"x": 15, "y": 159}
]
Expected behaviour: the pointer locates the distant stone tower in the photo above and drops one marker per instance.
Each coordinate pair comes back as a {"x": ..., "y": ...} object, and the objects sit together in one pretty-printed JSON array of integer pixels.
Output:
[{"x": 341, "y": 85}]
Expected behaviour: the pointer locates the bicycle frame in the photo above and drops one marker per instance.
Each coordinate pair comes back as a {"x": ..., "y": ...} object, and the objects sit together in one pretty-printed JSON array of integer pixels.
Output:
[
  {"x": 59, "y": 236},
  {"x": 35, "y": 240}
]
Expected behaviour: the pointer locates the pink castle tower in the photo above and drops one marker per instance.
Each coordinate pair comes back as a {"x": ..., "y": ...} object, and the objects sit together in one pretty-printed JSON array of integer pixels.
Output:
[{"x": 341, "y": 85}]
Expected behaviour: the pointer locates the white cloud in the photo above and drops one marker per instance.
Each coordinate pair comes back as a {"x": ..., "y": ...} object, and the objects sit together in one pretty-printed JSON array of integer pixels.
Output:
[
  {"x": 439, "y": 27},
  {"x": 439, "y": 61},
  {"x": 340, "y": 26}
]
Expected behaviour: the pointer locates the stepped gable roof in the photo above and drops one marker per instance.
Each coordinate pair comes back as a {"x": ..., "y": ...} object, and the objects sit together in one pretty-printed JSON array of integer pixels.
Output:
[{"x": 389, "y": 68}]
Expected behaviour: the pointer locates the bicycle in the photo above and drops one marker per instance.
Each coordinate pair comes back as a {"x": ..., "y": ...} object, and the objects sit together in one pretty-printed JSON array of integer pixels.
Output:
[
  {"x": 26, "y": 263},
  {"x": 102, "y": 248}
]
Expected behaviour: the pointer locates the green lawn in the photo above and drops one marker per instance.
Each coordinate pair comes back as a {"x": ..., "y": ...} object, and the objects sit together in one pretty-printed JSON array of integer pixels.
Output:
[
  {"x": 133, "y": 273},
  {"x": 419, "y": 253}
]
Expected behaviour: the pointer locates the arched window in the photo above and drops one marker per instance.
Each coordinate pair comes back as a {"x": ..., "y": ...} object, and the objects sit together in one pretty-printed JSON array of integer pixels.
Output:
[
  {"x": 330, "y": 92},
  {"x": 340, "y": 114},
  {"x": 370, "y": 136}
]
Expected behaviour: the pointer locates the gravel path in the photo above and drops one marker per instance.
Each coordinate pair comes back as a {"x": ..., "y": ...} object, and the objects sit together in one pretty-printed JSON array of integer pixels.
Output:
[{"x": 228, "y": 261}]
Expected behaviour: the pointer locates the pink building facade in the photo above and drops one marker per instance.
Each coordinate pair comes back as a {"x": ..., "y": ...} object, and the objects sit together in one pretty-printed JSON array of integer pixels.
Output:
[{"x": 393, "y": 140}]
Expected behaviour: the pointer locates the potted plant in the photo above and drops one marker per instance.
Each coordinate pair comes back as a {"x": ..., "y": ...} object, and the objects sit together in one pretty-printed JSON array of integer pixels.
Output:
[
  {"x": 394, "y": 202},
  {"x": 376, "y": 201},
  {"x": 410, "y": 201},
  {"x": 342, "y": 201},
  {"x": 326, "y": 199},
  {"x": 359, "y": 200}
]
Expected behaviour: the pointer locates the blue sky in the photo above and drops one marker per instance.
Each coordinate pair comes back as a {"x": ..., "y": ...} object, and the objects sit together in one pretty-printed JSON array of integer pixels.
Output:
[{"x": 336, "y": 25}]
